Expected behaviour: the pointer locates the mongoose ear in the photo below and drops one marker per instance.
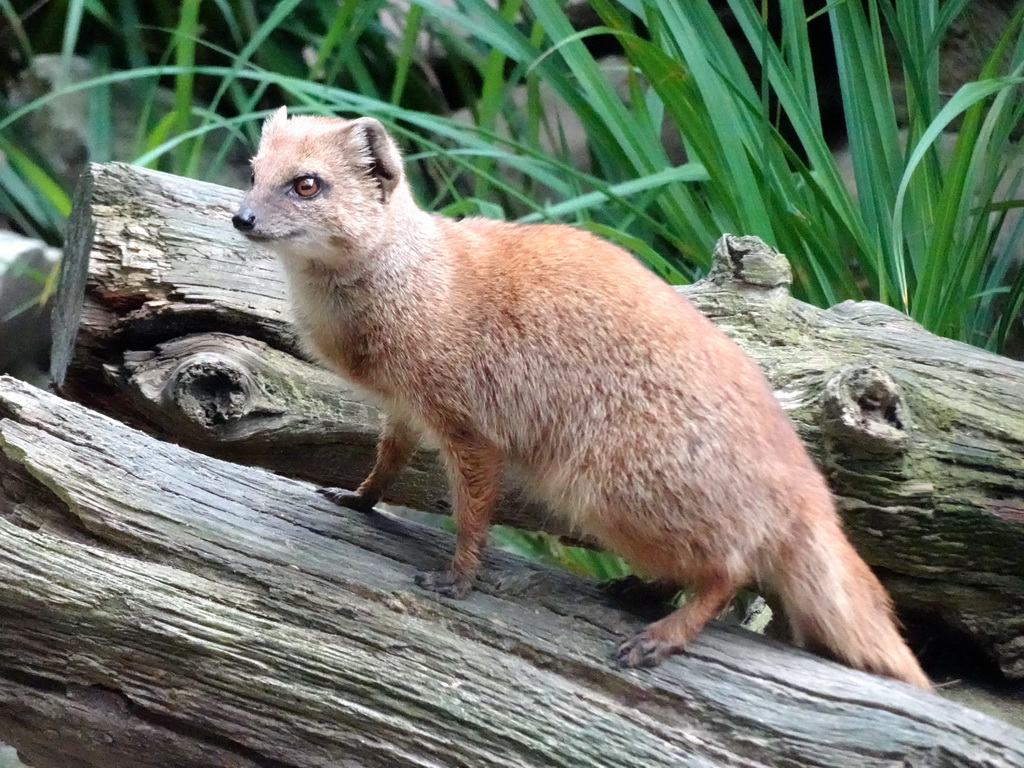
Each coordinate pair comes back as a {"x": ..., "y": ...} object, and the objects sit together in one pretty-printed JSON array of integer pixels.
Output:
[
  {"x": 383, "y": 159},
  {"x": 278, "y": 118}
]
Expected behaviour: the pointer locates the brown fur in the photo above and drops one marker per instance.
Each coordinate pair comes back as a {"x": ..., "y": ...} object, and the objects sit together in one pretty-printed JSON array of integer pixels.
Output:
[{"x": 548, "y": 349}]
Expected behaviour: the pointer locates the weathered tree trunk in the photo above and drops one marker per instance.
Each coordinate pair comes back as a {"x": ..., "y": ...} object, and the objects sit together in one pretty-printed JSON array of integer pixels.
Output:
[
  {"x": 163, "y": 609},
  {"x": 183, "y": 333}
]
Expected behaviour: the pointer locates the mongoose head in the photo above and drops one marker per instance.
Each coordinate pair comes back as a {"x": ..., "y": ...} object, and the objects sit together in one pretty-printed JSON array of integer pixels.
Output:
[{"x": 322, "y": 187}]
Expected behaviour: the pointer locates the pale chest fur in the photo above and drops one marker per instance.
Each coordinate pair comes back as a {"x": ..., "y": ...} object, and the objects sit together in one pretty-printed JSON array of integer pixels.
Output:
[
  {"x": 326, "y": 322},
  {"x": 371, "y": 332}
]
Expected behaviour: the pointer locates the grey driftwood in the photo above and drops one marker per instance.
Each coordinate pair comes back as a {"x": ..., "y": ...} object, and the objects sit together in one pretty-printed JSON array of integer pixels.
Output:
[
  {"x": 165, "y": 609},
  {"x": 168, "y": 321}
]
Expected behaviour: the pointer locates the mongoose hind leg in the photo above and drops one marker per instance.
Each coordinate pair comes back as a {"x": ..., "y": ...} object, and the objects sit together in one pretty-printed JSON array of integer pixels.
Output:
[
  {"x": 670, "y": 635},
  {"x": 394, "y": 447},
  {"x": 474, "y": 468}
]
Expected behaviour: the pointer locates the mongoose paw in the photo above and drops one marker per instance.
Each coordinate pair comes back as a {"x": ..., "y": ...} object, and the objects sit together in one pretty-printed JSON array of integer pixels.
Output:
[
  {"x": 642, "y": 650},
  {"x": 346, "y": 498},
  {"x": 445, "y": 583}
]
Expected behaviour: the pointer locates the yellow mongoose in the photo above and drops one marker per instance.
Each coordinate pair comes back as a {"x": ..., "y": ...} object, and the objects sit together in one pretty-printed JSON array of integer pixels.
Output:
[{"x": 546, "y": 348}]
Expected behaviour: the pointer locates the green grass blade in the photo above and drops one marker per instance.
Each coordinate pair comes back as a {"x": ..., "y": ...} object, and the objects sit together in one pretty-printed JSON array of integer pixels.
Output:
[
  {"x": 406, "y": 52},
  {"x": 131, "y": 32},
  {"x": 282, "y": 10},
  {"x": 871, "y": 127},
  {"x": 17, "y": 28},
  {"x": 184, "y": 58},
  {"x": 72, "y": 26},
  {"x": 37, "y": 177},
  {"x": 968, "y": 95}
]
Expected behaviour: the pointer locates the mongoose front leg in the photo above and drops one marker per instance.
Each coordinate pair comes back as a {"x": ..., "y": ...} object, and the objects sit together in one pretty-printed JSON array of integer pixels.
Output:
[
  {"x": 672, "y": 634},
  {"x": 394, "y": 447},
  {"x": 474, "y": 467}
]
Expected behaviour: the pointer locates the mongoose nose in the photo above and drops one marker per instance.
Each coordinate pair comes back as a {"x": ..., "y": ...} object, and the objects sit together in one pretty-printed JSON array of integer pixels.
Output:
[{"x": 244, "y": 220}]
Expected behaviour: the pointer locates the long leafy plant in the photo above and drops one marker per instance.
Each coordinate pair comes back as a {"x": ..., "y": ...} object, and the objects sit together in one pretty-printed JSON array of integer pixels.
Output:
[{"x": 925, "y": 223}]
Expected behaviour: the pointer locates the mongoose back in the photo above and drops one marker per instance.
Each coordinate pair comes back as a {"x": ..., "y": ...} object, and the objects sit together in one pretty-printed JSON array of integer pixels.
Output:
[{"x": 545, "y": 348}]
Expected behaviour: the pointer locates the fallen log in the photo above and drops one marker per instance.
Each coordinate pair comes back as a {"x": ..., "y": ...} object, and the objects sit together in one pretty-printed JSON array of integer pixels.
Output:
[
  {"x": 165, "y": 609},
  {"x": 168, "y": 321}
]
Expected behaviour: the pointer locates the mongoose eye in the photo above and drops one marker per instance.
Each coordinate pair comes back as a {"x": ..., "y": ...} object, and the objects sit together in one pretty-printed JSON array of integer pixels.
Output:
[
  {"x": 252, "y": 178},
  {"x": 306, "y": 186}
]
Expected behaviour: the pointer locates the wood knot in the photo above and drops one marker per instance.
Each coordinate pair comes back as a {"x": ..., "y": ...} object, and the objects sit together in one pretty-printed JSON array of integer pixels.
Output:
[
  {"x": 863, "y": 412},
  {"x": 749, "y": 261},
  {"x": 210, "y": 390}
]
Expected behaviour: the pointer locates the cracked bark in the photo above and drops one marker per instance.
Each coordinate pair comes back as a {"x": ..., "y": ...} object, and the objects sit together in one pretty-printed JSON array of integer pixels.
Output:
[
  {"x": 165, "y": 609},
  {"x": 169, "y": 322}
]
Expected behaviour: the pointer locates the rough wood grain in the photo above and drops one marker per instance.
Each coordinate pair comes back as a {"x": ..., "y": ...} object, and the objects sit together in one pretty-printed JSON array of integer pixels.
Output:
[
  {"x": 922, "y": 437},
  {"x": 163, "y": 608}
]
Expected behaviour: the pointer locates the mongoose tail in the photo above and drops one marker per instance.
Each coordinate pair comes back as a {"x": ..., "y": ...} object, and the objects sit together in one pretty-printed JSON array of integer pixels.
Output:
[{"x": 836, "y": 605}]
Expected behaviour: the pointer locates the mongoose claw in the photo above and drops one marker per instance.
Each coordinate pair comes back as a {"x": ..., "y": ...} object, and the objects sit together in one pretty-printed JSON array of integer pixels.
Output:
[
  {"x": 346, "y": 498},
  {"x": 445, "y": 583},
  {"x": 641, "y": 650}
]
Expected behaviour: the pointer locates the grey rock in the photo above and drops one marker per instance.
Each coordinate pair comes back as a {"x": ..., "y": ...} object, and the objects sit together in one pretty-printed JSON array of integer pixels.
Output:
[
  {"x": 25, "y": 265},
  {"x": 61, "y": 130}
]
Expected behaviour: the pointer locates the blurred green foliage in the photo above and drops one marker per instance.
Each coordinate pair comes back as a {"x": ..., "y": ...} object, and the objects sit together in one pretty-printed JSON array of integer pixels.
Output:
[{"x": 547, "y": 130}]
